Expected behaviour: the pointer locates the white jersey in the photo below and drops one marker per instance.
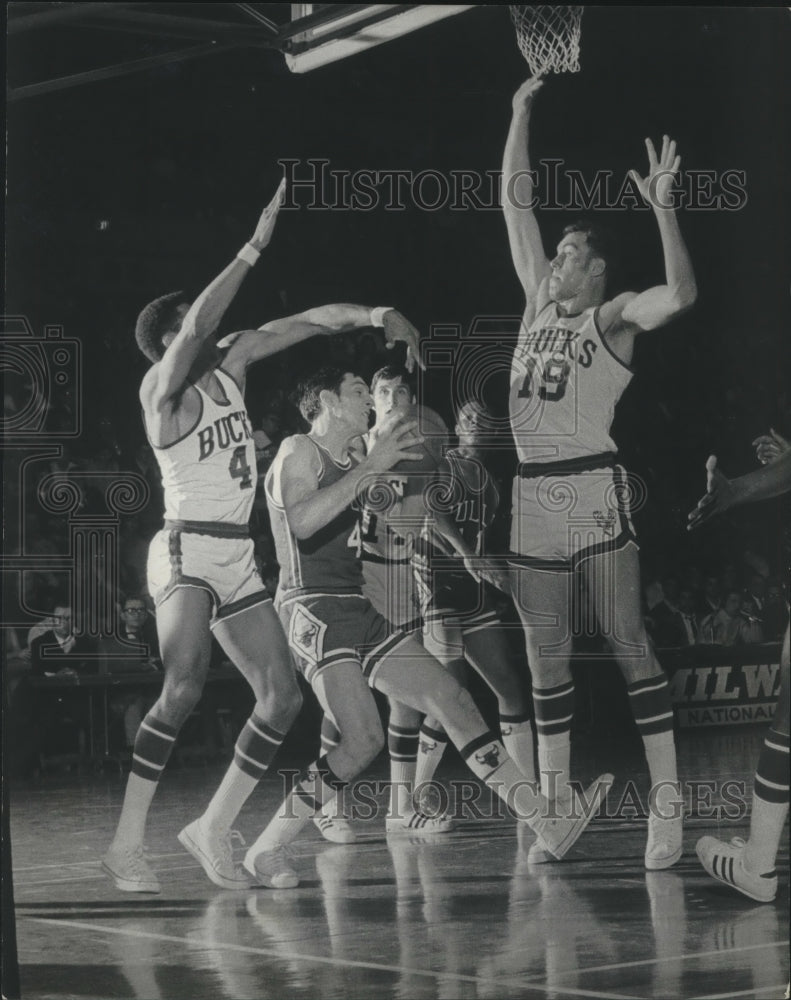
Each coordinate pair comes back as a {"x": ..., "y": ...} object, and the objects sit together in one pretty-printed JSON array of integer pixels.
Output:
[
  {"x": 565, "y": 382},
  {"x": 209, "y": 474}
]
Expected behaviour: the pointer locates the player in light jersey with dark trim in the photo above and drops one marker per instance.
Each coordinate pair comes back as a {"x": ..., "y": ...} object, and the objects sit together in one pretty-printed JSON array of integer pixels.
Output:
[
  {"x": 461, "y": 621},
  {"x": 201, "y": 568},
  {"x": 570, "y": 497},
  {"x": 343, "y": 646}
]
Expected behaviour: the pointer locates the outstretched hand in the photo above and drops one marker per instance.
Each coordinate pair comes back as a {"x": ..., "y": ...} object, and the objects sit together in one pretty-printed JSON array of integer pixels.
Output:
[
  {"x": 656, "y": 186},
  {"x": 266, "y": 224},
  {"x": 398, "y": 328},
  {"x": 769, "y": 447},
  {"x": 718, "y": 497},
  {"x": 523, "y": 98}
]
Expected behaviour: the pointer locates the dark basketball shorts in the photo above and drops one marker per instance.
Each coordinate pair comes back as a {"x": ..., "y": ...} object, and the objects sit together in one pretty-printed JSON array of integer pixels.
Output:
[
  {"x": 323, "y": 629},
  {"x": 453, "y": 605}
]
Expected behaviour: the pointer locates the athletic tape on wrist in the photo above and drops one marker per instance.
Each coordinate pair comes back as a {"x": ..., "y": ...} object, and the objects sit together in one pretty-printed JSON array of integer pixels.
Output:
[
  {"x": 248, "y": 254},
  {"x": 378, "y": 315}
]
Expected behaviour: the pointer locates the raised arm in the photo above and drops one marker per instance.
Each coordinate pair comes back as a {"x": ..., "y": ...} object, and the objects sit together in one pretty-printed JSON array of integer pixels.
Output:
[
  {"x": 308, "y": 509},
  {"x": 527, "y": 249},
  {"x": 249, "y": 346},
  {"x": 166, "y": 379},
  {"x": 657, "y": 306}
]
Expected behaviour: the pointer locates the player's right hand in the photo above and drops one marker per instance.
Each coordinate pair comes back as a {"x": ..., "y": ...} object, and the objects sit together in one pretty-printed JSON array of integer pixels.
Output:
[
  {"x": 266, "y": 224},
  {"x": 390, "y": 442},
  {"x": 524, "y": 96},
  {"x": 769, "y": 447},
  {"x": 719, "y": 496}
]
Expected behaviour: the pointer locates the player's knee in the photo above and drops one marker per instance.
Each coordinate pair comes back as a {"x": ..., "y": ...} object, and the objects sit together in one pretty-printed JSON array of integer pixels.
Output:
[
  {"x": 449, "y": 700},
  {"x": 364, "y": 742},
  {"x": 181, "y": 695},
  {"x": 280, "y": 702}
]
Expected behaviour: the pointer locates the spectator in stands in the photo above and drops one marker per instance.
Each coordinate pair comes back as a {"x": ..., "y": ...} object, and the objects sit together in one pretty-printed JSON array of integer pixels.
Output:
[
  {"x": 752, "y": 624},
  {"x": 57, "y": 651},
  {"x": 756, "y": 589},
  {"x": 664, "y": 614},
  {"x": 730, "y": 625},
  {"x": 775, "y": 612},
  {"x": 51, "y": 715},
  {"x": 711, "y": 598}
]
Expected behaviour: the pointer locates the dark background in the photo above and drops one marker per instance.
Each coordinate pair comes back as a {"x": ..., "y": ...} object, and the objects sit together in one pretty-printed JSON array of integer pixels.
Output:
[{"x": 178, "y": 162}]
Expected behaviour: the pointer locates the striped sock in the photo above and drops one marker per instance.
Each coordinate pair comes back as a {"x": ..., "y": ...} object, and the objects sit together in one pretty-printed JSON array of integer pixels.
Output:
[
  {"x": 770, "y": 803},
  {"x": 318, "y": 785},
  {"x": 402, "y": 745},
  {"x": 554, "y": 708},
  {"x": 653, "y": 712},
  {"x": 518, "y": 739},
  {"x": 431, "y": 746},
  {"x": 153, "y": 745},
  {"x": 255, "y": 749}
]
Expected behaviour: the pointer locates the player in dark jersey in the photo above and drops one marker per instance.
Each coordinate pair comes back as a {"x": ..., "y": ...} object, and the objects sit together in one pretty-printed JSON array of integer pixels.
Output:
[
  {"x": 201, "y": 568},
  {"x": 342, "y": 645},
  {"x": 570, "y": 497},
  {"x": 461, "y": 619},
  {"x": 749, "y": 866}
]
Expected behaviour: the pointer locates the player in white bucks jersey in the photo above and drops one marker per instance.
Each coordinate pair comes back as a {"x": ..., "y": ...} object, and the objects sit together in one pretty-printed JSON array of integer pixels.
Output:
[
  {"x": 570, "y": 497},
  {"x": 201, "y": 568}
]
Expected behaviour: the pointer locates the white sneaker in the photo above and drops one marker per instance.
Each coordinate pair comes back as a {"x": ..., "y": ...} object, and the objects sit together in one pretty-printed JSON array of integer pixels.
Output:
[
  {"x": 130, "y": 871},
  {"x": 558, "y": 835},
  {"x": 214, "y": 852},
  {"x": 725, "y": 862},
  {"x": 664, "y": 846},
  {"x": 539, "y": 854},
  {"x": 336, "y": 829},
  {"x": 271, "y": 868},
  {"x": 416, "y": 822}
]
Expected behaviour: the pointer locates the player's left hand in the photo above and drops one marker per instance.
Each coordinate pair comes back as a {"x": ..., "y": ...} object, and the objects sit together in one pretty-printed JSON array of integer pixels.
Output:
[
  {"x": 656, "y": 186},
  {"x": 398, "y": 328},
  {"x": 266, "y": 224},
  {"x": 719, "y": 496}
]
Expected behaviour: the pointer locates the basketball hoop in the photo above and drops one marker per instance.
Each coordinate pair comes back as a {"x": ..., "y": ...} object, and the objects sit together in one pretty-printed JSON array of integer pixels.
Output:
[{"x": 548, "y": 37}]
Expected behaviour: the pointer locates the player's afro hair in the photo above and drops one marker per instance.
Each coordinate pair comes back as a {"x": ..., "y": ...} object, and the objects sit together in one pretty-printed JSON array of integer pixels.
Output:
[
  {"x": 155, "y": 321},
  {"x": 389, "y": 374},
  {"x": 307, "y": 396}
]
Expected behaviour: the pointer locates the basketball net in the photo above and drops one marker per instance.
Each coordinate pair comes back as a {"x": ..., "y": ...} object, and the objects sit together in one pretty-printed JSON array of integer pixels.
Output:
[{"x": 548, "y": 37}]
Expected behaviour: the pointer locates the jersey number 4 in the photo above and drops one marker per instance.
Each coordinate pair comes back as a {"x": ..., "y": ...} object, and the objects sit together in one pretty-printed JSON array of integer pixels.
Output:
[
  {"x": 239, "y": 468},
  {"x": 364, "y": 531}
]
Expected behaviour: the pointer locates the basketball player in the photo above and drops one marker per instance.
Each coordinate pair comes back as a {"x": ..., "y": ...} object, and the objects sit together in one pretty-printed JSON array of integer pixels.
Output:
[
  {"x": 389, "y": 584},
  {"x": 461, "y": 621},
  {"x": 201, "y": 569},
  {"x": 750, "y": 867},
  {"x": 571, "y": 513},
  {"x": 342, "y": 645}
]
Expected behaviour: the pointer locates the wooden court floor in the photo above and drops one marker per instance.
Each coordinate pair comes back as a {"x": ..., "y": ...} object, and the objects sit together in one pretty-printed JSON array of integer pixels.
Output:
[{"x": 462, "y": 915}]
